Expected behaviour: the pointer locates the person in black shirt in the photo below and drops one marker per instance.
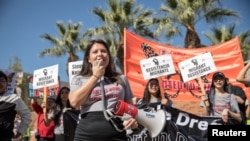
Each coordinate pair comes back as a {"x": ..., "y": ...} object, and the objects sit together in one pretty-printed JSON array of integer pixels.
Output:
[{"x": 240, "y": 98}]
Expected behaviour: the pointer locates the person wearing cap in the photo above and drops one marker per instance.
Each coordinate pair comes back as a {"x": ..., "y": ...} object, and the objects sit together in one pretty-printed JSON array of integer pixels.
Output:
[
  {"x": 243, "y": 78},
  {"x": 220, "y": 102},
  {"x": 10, "y": 105},
  {"x": 45, "y": 122}
]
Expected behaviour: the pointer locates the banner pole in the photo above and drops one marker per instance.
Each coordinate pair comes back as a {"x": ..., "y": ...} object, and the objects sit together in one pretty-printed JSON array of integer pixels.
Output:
[
  {"x": 45, "y": 98},
  {"x": 163, "y": 98},
  {"x": 203, "y": 91}
]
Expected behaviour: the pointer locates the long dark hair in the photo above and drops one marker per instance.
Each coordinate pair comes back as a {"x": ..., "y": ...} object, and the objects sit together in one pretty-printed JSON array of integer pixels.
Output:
[
  {"x": 59, "y": 105},
  {"x": 110, "y": 71},
  {"x": 211, "y": 92},
  {"x": 147, "y": 95}
]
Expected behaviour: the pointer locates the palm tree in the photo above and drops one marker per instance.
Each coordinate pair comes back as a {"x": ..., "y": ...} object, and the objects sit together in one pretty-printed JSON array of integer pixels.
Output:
[
  {"x": 119, "y": 15},
  {"x": 186, "y": 14},
  {"x": 226, "y": 33},
  {"x": 68, "y": 43}
]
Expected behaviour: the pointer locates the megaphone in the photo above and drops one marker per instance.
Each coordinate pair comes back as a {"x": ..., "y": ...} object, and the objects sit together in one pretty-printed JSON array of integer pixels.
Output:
[{"x": 153, "y": 121}]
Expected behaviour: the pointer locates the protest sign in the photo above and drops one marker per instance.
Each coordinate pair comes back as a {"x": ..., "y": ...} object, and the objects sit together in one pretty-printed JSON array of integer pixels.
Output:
[{"x": 157, "y": 66}]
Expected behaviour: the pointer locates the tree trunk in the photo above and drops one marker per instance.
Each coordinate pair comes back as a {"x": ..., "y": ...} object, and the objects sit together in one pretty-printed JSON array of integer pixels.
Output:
[
  {"x": 120, "y": 56},
  {"x": 192, "y": 39}
]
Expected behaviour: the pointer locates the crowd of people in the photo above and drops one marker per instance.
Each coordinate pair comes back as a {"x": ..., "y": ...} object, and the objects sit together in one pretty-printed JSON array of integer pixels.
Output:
[{"x": 95, "y": 91}]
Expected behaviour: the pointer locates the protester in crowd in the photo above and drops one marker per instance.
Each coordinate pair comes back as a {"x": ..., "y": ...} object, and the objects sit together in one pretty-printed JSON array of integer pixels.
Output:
[
  {"x": 62, "y": 105},
  {"x": 243, "y": 78},
  {"x": 248, "y": 111},
  {"x": 70, "y": 121},
  {"x": 152, "y": 96},
  {"x": 97, "y": 87},
  {"x": 45, "y": 122},
  {"x": 17, "y": 122},
  {"x": 240, "y": 98},
  {"x": 221, "y": 103},
  {"x": 10, "y": 105}
]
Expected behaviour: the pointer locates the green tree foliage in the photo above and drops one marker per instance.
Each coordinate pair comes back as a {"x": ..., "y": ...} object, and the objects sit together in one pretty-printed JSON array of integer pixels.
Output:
[
  {"x": 15, "y": 64},
  {"x": 21, "y": 82},
  {"x": 186, "y": 14},
  {"x": 120, "y": 14},
  {"x": 68, "y": 42},
  {"x": 226, "y": 33}
]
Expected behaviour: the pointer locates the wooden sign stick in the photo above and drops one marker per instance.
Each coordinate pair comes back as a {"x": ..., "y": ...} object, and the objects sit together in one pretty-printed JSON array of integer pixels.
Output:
[
  {"x": 45, "y": 98},
  {"x": 203, "y": 91},
  {"x": 163, "y": 98}
]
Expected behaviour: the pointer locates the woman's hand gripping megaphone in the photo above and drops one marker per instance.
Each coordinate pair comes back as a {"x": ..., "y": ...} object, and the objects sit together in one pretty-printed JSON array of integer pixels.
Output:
[
  {"x": 153, "y": 121},
  {"x": 128, "y": 118}
]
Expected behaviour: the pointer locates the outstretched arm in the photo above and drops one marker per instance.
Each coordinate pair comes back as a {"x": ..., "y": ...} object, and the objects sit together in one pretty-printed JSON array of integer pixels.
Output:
[
  {"x": 248, "y": 108},
  {"x": 25, "y": 114},
  {"x": 241, "y": 77},
  {"x": 205, "y": 104}
]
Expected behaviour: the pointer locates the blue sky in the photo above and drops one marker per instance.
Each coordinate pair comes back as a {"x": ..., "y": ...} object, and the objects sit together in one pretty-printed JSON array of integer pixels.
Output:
[{"x": 23, "y": 22}]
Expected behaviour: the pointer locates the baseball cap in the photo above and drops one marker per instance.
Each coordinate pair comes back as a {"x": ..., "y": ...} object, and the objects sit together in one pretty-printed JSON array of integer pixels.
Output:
[{"x": 221, "y": 74}]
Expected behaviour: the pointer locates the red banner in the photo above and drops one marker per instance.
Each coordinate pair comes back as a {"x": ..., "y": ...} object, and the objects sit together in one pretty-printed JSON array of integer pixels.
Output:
[{"x": 227, "y": 57}]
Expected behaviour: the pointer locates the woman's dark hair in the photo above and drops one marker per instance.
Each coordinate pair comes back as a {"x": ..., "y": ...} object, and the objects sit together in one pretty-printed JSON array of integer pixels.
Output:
[
  {"x": 2, "y": 74},
  {"x": 59, "y": 100},
  {"x": 211, "y": 92},
  {"x": 110, "y": 71},
  {"x": 87, "y": 67},
  {"x": 147, "y": 95},
  {"x": 225, "y": 87},
  {"x": 59, "y": 105}
]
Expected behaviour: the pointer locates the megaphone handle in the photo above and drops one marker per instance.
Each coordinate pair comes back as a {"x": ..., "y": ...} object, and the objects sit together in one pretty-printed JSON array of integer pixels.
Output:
[
  {"x": 124, "y": 118},
  {"x": 129, "y": 131}
]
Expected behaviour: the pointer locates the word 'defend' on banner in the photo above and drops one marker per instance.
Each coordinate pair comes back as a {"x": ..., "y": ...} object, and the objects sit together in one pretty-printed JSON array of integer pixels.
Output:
[
  {"x": 197, "y": 66},
  {"x": 45, "y": 77},
  {"x": 157, "y": 66}
]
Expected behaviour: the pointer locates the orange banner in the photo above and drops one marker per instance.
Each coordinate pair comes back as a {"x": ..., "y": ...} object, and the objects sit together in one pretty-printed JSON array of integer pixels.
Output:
[{"x": 227, "y": 57}]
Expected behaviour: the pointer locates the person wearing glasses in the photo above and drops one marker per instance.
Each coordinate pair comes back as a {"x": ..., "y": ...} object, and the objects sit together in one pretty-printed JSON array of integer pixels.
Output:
[
  {"x": 10, "y": 105},
  {"x": 219, "y": 102}
]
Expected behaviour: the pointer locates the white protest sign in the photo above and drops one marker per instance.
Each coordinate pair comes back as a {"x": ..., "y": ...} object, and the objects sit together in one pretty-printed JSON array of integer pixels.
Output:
[
  {"x": 74, "y": 69},
  {"x": 197, "y": 66},
  {"x": 45, "y": 77},
  {"x": 157, "y": 66}
]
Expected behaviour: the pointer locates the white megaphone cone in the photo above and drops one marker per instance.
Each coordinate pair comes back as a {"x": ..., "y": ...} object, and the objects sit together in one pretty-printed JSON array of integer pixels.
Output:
[{"x": 153, "y": 121}]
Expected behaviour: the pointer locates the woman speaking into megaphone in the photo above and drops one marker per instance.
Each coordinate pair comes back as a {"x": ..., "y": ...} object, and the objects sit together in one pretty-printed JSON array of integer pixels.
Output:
[{"x": 96, "y": 89}]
